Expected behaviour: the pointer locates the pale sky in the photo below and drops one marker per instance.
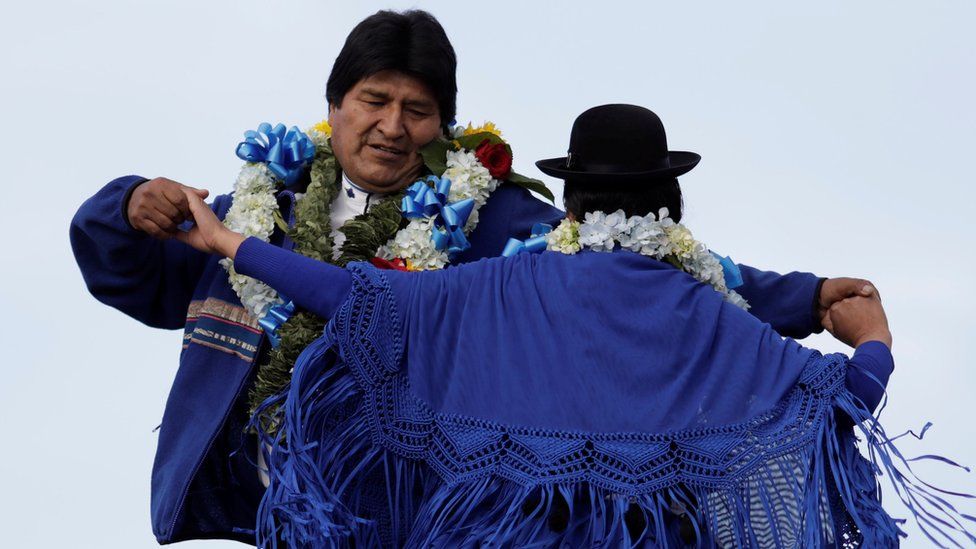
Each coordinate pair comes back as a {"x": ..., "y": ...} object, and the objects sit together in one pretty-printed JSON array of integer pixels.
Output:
[{"x": 835, "y": 139}]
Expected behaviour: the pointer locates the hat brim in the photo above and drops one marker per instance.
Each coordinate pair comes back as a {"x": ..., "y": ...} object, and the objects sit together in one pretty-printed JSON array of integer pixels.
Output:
[{"x": 681, "y": 162}]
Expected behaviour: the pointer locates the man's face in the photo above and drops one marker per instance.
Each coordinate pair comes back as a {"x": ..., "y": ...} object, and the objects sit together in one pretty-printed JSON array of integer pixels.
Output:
[{"x": 379, "y": 128}]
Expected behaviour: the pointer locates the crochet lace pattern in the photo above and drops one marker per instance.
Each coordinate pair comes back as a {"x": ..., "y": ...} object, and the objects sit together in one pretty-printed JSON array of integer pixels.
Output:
[{"x": 462, "y": 449}]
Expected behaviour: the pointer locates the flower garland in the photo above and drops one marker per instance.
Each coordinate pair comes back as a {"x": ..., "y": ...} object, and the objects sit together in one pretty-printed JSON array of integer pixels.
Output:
[
  {"x": 252, "y": 214},
  {"x": 473, "y": 174},
  {"x": 654, "y": 236},
  {"x": 254, "y": 209},
  {"x": 474, "y": 162}
]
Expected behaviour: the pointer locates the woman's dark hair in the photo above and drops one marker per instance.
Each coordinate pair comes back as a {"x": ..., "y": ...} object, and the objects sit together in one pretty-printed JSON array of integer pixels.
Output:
[
  {"x": 412, "y": 42},
  {"x": 580, "y": 198}
]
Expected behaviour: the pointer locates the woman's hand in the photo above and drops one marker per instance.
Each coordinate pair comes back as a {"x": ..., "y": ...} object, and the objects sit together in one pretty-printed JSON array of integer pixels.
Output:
[
  {"x": 208, "y": 234},
  {"x": 834, "y": 290},
  {"x": 856, "y": 320}
]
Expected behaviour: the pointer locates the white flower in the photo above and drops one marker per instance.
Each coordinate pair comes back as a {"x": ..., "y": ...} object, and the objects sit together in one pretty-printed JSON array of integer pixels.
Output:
[
  {"x": 319, "y": 139},
  {"x": 709, "y": 270},
  {"x": 413, "y": 244},
  {"x": 599, "y": 231},
  {"x": 254, "y": 178},
  {"x": 256, "y": 296},
  {"x": 469, "y": 179},
  {"x": 564, "y": 238},
  {"x": 472, "y": 221},
  {"x": 682, "y": 244},
  {"x": 645, "y": 237},
  {"x": 663, "y": 219},
  {"x": 619, "y": 222},
  {"x": 737, "y": 300},
  {"x": 252, "y": 215}
]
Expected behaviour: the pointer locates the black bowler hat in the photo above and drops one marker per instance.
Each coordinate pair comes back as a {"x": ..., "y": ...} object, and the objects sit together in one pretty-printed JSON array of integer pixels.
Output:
[{"x": 618, "y": 143}]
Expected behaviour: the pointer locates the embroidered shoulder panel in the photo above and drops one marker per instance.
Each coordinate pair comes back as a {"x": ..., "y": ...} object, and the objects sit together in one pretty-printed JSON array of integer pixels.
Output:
[{"x": 222, "y": 326}]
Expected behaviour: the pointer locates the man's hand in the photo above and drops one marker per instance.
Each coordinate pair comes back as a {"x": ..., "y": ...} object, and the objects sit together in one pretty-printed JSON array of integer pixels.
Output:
[
  {"x": 208, "y": 234},
  {"x": 856, "y": 320},
  {"x": 835, "y": 290},
  {"x": 157, "y": 207}
]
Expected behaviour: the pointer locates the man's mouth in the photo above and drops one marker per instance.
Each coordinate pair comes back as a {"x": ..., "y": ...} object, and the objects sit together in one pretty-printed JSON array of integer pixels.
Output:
[{"x": 387, "y": 150}]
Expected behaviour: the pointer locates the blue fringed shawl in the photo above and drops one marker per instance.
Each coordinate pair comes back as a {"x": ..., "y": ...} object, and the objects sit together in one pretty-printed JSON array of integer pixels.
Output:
[{"x": 551, "y": 400}]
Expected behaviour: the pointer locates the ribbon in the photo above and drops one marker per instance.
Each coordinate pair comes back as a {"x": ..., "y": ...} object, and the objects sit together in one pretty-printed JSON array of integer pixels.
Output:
[
  {"x": 285, "y": 152},
  {"x": 733, "y": 277},
  {"x": 274, "y": 318},
  {"x": 536, "y": 243},
  {"x": 431, "y": 201}
]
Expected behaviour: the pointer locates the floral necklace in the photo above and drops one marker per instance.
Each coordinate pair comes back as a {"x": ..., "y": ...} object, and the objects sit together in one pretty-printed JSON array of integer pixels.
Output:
[
  {"x": 653, "y": 236},
  {"x": 420, "y": 228}
]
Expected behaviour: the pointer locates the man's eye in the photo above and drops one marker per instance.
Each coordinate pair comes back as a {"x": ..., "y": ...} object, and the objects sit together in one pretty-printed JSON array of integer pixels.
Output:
[
  {"x": 375, "y": 103},
  {"x": 419, "y": 114}
]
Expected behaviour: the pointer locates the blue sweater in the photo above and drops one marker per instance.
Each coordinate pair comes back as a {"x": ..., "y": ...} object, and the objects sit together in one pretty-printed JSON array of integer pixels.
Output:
[{"x": 201, "y": 487}]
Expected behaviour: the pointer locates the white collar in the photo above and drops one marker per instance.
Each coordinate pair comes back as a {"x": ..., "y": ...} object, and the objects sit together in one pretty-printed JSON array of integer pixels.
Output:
[{"x": 354, "y": 192}]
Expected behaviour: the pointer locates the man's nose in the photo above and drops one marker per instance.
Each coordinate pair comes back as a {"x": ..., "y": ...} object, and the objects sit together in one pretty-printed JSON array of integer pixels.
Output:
[{"x": 391, "y": 122}]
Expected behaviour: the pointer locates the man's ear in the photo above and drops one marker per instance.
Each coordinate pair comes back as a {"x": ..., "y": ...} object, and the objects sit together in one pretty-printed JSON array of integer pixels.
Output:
[{"x": 332, "y": 110}]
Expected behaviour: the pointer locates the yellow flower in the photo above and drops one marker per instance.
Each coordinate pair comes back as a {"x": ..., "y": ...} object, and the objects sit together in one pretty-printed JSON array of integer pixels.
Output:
[
  {"x": 323, "y": 127},
  {"x": 488, "y": 127}
]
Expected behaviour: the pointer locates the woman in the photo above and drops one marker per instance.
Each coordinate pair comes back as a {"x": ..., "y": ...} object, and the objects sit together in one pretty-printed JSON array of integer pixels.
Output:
[{"x": 572, "y": 399}]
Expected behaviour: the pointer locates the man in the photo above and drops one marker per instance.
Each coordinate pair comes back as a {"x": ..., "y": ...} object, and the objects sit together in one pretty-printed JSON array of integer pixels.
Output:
[{"x": 392, "y": 90}]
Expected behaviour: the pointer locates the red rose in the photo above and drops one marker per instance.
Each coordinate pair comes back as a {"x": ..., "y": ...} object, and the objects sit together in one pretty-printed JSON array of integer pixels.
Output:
[
  {"x": 495, "y": 157},
  {"x": 396, "y": 264}
]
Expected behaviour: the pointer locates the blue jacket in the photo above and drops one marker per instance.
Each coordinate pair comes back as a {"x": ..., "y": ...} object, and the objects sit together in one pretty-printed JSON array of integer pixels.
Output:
[{"x": 203, "y": 482}]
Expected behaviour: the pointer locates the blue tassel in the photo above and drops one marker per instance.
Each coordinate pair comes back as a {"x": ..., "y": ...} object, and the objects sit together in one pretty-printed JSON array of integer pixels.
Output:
[{"x": 936, "y": 517}]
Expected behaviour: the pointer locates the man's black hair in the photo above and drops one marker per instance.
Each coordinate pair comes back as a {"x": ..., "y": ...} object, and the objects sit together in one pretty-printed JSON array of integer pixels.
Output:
[
  {"x": 580, "y": 198},
  {"x": 412, "y": 42}
]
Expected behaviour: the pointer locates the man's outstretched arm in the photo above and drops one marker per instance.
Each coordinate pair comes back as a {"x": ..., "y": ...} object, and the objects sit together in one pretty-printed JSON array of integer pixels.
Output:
[
  {"x": 793, "y": 304},
  {"x": 786, "y": 301}
]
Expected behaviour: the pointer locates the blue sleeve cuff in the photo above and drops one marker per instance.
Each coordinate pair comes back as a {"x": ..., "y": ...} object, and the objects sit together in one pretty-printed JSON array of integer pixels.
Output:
[
  {"x": 816, "y": 326},
  {"x": 875, "y": 357},
  {"x": 868, "y": 372},
  {"x": 135, "y": 182},
  {"x": 261, "y": 260}
]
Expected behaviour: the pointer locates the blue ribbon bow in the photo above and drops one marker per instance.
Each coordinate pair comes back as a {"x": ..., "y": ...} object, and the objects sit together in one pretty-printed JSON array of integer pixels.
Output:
[
  {"x": 274, "y": 318},
  {"x": 423, "y": 200},
  {"x": 285, "y": 152},
  {"x": 733, "y": 277},
  {"x": 536, "y": 243}
]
